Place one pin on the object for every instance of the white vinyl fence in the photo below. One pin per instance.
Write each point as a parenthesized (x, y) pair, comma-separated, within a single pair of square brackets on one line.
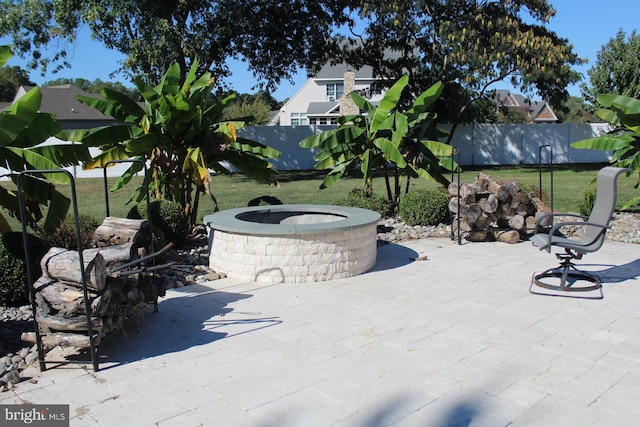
[(479, 145)]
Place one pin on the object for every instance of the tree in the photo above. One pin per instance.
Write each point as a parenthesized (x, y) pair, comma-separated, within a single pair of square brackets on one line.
[(273, 37), (577, 111), (616, 70), (257, 110), (466, 44), (385, 138), (11, 78), (179, 131)]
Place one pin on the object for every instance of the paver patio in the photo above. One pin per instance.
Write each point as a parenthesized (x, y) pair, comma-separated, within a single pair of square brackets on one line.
[(452, 340)]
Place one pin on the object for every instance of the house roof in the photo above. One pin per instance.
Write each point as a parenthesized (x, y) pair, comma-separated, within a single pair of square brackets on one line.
[(321, 107), (61, 100), (337, 72)]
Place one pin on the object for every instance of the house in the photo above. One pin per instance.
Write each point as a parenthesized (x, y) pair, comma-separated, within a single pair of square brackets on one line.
[(324, 97), (62, 102), (536, 111), (71, 114)]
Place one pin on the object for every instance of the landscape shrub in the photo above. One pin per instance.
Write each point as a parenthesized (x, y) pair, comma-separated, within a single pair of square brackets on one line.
[(166, 215), (424, 207), (65, 235), (588, 199), (360, 198), (13, 281)]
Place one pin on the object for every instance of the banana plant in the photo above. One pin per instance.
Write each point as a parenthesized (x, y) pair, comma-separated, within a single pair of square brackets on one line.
[(180, 132), (23, 128), (623, 113), (384, 136)]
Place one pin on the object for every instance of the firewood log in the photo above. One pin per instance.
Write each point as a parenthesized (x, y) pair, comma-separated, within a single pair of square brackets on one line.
[(516, 222), (64, 264), (59, 323), (507, 236), (489, 204), (60, 339), (115, 231)]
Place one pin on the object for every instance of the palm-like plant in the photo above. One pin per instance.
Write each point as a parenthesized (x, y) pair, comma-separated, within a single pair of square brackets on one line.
[(384, 136), (180, 132), (623, 113), (23, 128)]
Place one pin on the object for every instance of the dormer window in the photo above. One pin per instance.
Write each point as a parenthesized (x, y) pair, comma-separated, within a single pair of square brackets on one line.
[(334, 91)]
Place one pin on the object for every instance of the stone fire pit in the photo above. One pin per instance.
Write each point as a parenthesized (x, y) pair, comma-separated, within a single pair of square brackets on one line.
[(292, 243)]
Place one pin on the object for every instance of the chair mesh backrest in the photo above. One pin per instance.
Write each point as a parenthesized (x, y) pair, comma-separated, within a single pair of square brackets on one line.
[(605, 203)]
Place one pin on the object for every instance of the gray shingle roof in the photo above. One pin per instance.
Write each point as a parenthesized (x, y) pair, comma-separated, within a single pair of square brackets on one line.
[(321, 107), (61, 101)]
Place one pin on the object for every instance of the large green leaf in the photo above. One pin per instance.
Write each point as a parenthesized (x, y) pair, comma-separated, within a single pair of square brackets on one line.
[(19, 116), (361, 102), (390, 151), (604, 142), (388, 103), (248, 146), (42, 127), (101, 160), (424, 102), (438, 149)]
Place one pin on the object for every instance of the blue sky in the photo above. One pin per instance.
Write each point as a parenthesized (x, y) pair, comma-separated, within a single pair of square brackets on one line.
[(588, 24)]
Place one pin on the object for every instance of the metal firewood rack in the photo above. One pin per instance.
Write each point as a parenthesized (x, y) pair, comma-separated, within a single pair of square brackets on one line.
[(136, 266)]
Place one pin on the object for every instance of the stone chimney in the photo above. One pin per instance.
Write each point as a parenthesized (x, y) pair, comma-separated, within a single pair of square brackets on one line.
[(347, 107)]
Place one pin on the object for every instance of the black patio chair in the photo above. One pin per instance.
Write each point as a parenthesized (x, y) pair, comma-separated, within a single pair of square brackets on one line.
[(548, 234)]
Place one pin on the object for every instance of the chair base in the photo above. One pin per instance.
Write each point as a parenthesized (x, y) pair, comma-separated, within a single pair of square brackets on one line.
[(572, 283)]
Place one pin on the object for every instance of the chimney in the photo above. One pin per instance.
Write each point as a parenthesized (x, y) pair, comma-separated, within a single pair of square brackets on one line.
[(347, 107)]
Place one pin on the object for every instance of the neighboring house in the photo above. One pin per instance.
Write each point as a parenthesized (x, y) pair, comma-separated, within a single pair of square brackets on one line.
[(325, 97), (536, 111), (71, 113)]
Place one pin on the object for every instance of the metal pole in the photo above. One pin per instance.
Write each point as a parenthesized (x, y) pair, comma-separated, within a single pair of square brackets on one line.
[(550, 171)]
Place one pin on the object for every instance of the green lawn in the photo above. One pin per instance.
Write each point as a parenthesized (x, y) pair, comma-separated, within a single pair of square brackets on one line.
[(303, 187)]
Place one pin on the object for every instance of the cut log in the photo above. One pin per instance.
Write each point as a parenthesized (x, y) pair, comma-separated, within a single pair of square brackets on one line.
[(530, 224), (58, 323), (489, 204), (63, 297), (64, 265), (116, 231), (507, 236), (60, 339), (517, 222), (115, 255), (471, 213), (477, 236)]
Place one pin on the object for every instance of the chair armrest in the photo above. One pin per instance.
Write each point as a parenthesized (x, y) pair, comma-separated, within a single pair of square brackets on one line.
[(553, 215), (559, 225)]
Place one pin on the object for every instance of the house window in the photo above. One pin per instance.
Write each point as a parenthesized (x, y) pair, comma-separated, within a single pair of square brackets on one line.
[(298, 119), (319, 121), (335, 91)]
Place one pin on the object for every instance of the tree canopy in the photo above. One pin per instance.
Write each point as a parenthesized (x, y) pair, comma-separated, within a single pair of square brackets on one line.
[(467, 44), (616, 70), (274, 38), (11, 78), (93, 86)]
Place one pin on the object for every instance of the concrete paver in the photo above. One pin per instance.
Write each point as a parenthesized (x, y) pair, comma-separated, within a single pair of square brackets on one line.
[(456, 339)]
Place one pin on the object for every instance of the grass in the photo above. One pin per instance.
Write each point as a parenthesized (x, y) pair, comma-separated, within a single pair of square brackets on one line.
[(234, 191)]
